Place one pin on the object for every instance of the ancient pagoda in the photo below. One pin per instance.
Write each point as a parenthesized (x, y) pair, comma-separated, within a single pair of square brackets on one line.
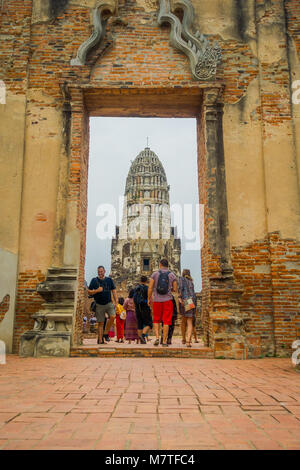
[(145, 235)]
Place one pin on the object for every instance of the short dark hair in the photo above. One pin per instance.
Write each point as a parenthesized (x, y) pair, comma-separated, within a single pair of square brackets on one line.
[(121, 300), (101, 267), (164, 262), (144, 279), (131, 293)]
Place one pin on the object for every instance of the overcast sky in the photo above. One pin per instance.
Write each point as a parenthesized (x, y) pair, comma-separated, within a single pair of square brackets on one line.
[(114, 143)]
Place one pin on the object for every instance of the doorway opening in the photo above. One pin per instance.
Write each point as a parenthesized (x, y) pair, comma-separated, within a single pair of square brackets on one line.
[(137, 166)]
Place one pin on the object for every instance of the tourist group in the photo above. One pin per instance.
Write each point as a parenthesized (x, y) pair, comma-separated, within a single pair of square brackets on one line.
[(151, 304)]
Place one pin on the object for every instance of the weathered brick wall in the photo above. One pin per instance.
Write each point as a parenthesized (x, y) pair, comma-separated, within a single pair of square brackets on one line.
[(78, 188), (253, 271), (285, 272), (15, 46), (292, 8), (15, 43), (269, 272)]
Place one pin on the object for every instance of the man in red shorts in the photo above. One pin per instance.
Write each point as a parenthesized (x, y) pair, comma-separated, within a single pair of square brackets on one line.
[(162, 284)]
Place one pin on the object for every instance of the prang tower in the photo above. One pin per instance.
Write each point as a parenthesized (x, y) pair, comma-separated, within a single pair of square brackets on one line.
[(145, 235)]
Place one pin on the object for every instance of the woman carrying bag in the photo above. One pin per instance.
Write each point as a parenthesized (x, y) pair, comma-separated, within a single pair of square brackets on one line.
[(187, 305)]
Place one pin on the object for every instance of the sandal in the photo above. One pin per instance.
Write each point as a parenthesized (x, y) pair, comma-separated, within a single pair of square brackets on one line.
[(156, 342), (188, 345), (183, 341)]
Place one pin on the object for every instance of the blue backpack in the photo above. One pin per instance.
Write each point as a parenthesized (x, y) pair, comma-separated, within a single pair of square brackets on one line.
[(162, 287)]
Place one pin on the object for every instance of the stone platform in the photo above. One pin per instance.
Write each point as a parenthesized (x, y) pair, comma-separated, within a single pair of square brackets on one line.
[(90, 348)]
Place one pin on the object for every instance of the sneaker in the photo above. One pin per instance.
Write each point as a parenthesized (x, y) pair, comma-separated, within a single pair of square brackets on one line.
[(156, 342), (142, 339)]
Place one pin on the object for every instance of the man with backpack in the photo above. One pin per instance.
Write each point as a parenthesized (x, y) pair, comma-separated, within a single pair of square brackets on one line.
[(142, 309), (162, 284)]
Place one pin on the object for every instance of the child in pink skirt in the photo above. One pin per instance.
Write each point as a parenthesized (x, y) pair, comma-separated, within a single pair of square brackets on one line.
[(131, 332)]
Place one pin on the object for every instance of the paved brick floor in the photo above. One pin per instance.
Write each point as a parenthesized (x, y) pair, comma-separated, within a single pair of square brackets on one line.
[(94, 403)]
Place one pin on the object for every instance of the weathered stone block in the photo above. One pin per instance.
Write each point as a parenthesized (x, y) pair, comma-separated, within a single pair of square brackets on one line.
[(27, 344), (56, 345), (45, 344)]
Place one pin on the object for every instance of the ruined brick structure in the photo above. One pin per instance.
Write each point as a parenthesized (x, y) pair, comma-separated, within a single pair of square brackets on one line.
[(146, 235), (64, 61)]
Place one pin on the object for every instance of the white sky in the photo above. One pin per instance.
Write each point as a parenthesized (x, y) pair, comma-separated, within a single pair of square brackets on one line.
[(114, 142)]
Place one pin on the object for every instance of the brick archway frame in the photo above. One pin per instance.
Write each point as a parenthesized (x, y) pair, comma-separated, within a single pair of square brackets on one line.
[(60, 325)]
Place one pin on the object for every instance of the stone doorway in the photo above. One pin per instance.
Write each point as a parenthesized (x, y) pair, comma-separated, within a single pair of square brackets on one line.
[(162, 103), (204, 104), (151, 174)]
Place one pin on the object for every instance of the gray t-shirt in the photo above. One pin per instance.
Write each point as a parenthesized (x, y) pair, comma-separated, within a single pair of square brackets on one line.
[(158, 297)]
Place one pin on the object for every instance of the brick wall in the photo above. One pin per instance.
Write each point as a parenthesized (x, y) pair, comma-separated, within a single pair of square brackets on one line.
[(269, 271), (292, 9), (285, 272)]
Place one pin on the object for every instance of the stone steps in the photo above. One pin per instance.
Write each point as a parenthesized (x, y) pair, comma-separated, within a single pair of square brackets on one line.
[(171, 352)]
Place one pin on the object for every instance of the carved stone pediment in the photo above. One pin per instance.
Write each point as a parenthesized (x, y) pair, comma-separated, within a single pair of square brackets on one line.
[(204, 57), (103, 9)]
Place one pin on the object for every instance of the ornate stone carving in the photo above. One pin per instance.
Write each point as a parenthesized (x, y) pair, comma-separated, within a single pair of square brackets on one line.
[(38, 322), (109, 6), (51, 334), (203, 56), (50, 325)]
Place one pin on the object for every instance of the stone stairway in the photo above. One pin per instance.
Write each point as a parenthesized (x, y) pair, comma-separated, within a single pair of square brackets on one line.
[(113, 349)]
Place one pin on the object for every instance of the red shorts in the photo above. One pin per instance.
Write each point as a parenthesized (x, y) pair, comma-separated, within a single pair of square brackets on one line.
[(163, 311)]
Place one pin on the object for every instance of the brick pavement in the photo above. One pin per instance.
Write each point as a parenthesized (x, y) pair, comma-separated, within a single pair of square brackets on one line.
[(93, 403)]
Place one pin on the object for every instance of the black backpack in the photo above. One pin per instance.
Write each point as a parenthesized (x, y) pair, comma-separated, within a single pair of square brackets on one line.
[(162, 287), (140, 294)]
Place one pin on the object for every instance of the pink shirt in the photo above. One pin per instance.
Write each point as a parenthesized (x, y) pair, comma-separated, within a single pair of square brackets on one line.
[(129, 304)]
